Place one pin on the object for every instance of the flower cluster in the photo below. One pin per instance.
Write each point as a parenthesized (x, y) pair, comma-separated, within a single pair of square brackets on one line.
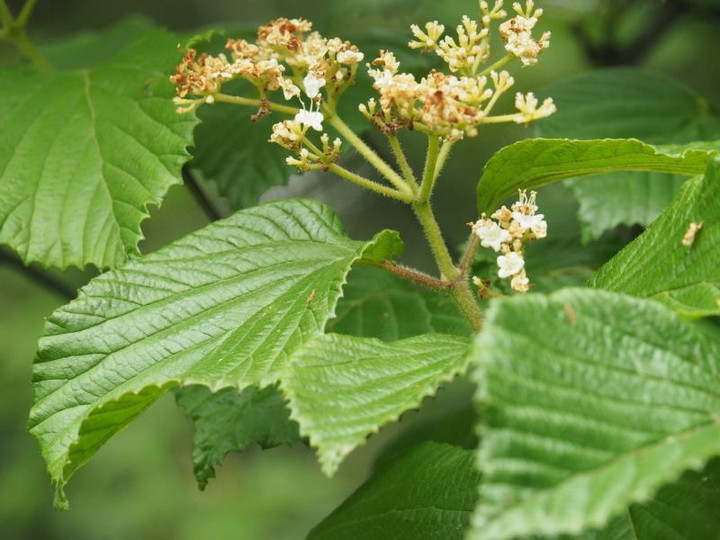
[(517, 34), (453, 106), (280, 44), (507, 232), (287, 56), (472, 46)]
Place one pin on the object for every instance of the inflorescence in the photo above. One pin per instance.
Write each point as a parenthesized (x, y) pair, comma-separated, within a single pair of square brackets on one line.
[(508, 232), (288, 58)]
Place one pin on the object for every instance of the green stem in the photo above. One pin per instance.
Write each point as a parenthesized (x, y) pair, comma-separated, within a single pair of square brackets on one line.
[(237, 100), (442, 156), (368, 153), (30, 51), (5, 16), (465, 299), (429, 175), (470, 249), (425, 216), (411, 274), (499, 119), (497, 65), (25, 13), (369, 184), (14, 30), (402, 161)]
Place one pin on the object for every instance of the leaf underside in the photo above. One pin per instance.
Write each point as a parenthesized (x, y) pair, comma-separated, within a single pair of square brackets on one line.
[(229, 420)]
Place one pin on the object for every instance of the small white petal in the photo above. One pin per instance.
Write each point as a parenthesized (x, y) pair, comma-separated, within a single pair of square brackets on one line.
[(510, 264), (312, 85)]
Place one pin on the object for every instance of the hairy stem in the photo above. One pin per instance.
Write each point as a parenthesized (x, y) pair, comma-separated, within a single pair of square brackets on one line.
[(497, 65), (368, 153), (250, 102), (429, 174), (467, 258), (430, 226), (369, 184), (411, 274), (402, 161), (465, 299), (203, 201), (442, 156)]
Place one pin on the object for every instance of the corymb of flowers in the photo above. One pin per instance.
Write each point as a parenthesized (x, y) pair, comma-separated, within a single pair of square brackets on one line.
[(298, 73)]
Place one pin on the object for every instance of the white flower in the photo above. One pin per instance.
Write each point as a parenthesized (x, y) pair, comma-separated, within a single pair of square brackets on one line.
[(312, 85), (349, 57), (520, 282), (491, 234), (310, 119), (527, 105), (510, 264), (530, 222), (289, 89)]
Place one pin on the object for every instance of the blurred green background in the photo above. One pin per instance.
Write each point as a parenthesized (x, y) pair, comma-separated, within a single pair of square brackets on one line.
[(141, 485)]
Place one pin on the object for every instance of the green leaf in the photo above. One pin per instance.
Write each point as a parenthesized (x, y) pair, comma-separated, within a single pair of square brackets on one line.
[(378, 304), (658, 266), (627, 102), (234, 152), (427, 493), (591, 401), (622, 199), (87, 49), (683, 510), (83, 153), (532, 163), (343, 388), (621, 103), (229, 420), (223, 307)]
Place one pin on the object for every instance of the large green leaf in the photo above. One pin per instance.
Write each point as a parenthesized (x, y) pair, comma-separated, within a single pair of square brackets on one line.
[(591, 401), (658, 265), (84, 152), (532, 163), (229, 420), (343, 388), (427, 493), (377, 304), (223, 307), (621, 103)]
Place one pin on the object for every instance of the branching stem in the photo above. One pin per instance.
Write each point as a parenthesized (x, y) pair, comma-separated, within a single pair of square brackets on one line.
[(368, 153), (250, 102), (368, 184), (14, 30)]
